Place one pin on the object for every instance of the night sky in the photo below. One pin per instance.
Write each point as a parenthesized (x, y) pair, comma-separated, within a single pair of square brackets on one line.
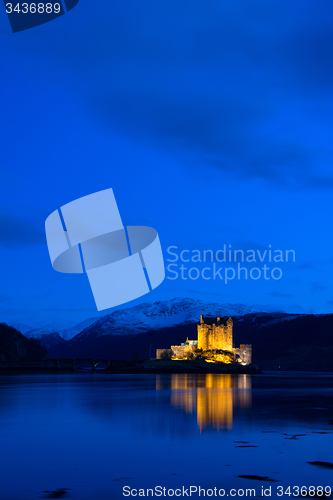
[(212, 122)]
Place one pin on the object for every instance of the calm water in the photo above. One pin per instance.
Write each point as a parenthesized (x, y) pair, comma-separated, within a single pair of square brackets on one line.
[(95, 433)]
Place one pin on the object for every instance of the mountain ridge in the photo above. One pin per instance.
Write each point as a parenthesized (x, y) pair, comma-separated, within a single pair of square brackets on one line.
[(46, 335), (279, 340), (161, 314)]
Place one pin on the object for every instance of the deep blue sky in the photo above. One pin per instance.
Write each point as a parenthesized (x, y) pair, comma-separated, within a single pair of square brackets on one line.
[(211, 121)]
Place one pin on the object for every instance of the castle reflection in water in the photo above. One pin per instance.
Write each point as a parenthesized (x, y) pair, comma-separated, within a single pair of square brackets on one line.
[(213, 397)]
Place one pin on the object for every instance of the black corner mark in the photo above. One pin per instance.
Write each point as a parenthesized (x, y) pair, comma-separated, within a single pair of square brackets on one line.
[(28, 14)]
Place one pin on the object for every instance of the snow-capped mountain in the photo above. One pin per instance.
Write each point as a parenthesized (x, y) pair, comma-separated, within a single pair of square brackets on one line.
[(46, 335), (22, 328), (115, 334), (162, 314), (69, 333)]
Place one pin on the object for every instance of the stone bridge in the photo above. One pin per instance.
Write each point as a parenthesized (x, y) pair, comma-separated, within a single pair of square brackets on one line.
[(65, 364)]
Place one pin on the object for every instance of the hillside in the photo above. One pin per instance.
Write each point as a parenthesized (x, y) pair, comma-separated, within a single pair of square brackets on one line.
[(48, 337), (279, 341), (15, 346)]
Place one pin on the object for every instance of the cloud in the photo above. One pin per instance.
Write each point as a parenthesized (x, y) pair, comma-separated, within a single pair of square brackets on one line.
[(210, 130), (17, 231), (306, 265), (316, 287), (241, 88), (279, 294), (228, 94), (250, 245)]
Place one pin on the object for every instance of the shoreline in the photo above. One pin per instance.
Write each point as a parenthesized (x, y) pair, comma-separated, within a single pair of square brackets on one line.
[(147, 366)]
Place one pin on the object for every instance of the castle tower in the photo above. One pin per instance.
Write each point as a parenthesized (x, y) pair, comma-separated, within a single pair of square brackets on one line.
[(202, 335), (215, 333), (228, 335)]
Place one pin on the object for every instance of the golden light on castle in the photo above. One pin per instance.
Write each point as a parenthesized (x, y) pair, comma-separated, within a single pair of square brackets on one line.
[(214, 344)]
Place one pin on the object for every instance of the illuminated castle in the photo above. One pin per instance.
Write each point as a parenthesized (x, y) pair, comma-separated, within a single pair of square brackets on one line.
[(215, 343), (215, 334)]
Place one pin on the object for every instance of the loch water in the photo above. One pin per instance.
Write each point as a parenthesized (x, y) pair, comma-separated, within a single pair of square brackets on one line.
[(95, 435)]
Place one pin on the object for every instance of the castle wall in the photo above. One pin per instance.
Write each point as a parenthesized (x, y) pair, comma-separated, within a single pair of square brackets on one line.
[(180, 351), (163, 353), (245, 352)]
